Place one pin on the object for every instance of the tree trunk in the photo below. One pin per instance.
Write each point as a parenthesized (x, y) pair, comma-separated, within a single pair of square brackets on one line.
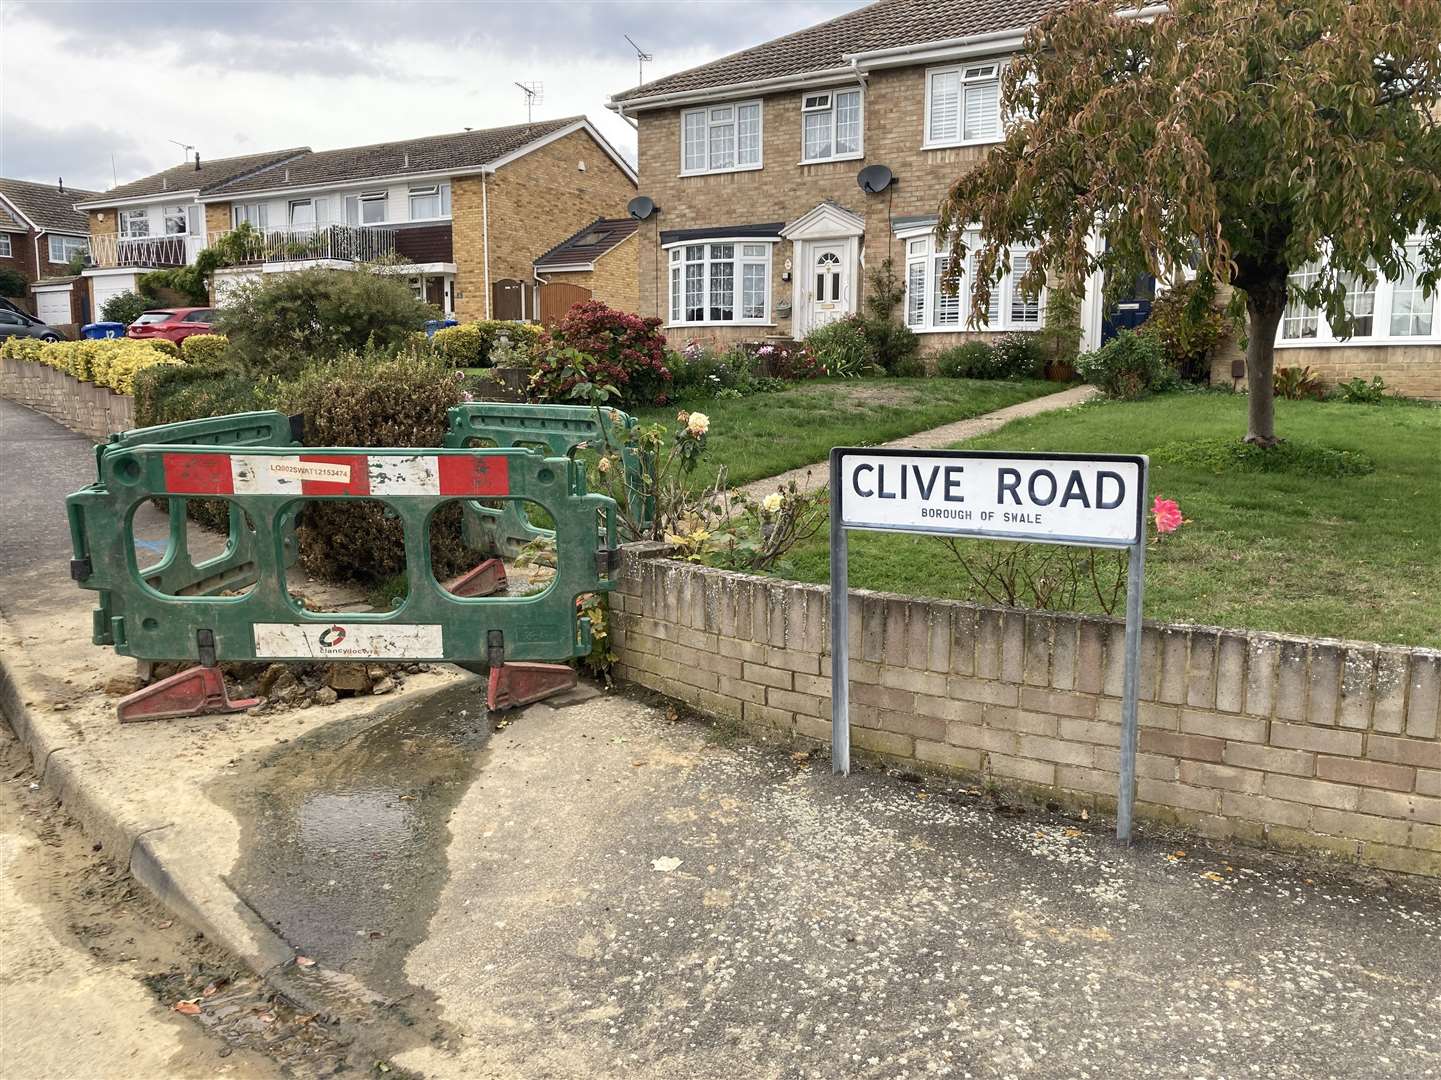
[(1265, 303)]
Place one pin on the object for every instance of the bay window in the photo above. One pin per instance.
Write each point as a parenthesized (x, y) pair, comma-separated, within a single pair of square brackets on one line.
[(830, 125), (1381, 310), (931, 306), (721, 138), (65, 248), (963, 104), (719, 282)]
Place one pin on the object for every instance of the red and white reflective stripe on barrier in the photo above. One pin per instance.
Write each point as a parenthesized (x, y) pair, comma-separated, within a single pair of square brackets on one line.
[(337, 474)]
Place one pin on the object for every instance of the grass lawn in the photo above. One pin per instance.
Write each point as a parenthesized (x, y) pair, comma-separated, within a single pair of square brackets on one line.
[(1355, 557), (765, 434)]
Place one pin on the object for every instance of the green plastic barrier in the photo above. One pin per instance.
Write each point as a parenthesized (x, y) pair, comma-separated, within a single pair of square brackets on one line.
[(559, 429), (147, 615)]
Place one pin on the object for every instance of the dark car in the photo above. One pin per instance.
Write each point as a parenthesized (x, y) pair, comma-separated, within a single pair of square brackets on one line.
[(15, 323), (172, 324)]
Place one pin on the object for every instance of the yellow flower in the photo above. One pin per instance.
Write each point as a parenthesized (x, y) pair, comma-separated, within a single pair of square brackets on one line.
[(772, 502), (698, 424), (603, 465)]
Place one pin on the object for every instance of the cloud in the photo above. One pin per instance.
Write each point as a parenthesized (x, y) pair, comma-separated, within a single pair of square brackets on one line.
[(80, 153), (241, 77)]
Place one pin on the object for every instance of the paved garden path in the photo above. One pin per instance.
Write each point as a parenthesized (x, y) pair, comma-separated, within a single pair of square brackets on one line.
[(808, 477)]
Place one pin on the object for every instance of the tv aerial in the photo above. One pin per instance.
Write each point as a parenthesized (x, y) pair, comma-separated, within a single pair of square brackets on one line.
[(185, 148), (641, 57), (534, 95)]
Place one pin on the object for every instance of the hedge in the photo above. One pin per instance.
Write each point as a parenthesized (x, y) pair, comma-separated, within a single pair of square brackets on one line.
[(470, 344), (113, 362)]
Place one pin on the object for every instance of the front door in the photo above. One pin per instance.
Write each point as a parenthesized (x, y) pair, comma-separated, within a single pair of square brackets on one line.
[(828, 292)]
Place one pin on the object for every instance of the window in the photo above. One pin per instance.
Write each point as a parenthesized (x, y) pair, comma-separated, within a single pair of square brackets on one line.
[(302, 212), (719, 138), (1360, 305), (367, 208), (177, 222), (135, 223), (931, 306), (256, 215), (425, 202), (1411, 309), (1300, 320), (963, 105), (62, 248), (6, 251), (204, 315), (720, 282), (831, 125)]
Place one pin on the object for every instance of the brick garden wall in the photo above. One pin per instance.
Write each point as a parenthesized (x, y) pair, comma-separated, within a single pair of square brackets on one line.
[(83, 407), (1408, 370), (1263, 738)]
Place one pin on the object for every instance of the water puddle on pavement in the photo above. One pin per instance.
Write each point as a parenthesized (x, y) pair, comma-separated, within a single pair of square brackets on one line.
[(344, 836)]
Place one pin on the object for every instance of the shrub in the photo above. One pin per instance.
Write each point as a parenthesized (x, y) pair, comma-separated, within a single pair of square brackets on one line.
[(1187, 326), (459, 346), (628, 355), (699, 370), (281, 322), (789, 361), (203, 348), (1223, 455), (12, 282), (1019, 356), (842, 347), (113, 362), (1358, 391), (973, 360), (1297, 384), (894, 347), (1128, 366), (169, 394), (169, 348), (186, 286), (355, 401), (124, 308)]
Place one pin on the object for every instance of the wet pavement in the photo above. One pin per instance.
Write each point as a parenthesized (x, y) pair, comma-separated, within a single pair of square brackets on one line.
[(344, 832)]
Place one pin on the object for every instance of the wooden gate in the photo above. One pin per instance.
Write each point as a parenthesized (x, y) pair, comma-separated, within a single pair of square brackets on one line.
[(507, 299), (556, 298)]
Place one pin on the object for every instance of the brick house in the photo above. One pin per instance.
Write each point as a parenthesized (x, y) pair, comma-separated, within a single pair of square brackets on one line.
[(465, 215), (762, 228), (598, 262), (40, 232)]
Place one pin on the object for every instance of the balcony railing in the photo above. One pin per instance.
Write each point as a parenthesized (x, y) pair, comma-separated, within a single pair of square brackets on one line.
[(297, 243), (148, 252)]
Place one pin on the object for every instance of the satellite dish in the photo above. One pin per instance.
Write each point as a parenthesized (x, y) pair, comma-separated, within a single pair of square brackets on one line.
[(874, 178), (641, 207)]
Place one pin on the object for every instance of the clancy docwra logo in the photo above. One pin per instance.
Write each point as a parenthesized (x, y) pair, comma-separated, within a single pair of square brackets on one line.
[(332, 636)]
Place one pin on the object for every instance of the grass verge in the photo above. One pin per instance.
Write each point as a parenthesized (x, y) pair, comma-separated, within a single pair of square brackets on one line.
[(765, 434), (1291, 551)]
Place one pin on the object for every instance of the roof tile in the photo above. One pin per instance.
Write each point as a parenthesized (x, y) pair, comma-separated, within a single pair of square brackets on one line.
[(51, 208), (882, 25), (593, 241), (210, 174)]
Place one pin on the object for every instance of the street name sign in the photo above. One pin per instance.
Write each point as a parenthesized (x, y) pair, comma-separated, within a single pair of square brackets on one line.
[(1092, 500)]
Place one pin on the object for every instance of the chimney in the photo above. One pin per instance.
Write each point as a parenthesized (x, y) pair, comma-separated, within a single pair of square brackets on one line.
[(62, 185), (197, 161)]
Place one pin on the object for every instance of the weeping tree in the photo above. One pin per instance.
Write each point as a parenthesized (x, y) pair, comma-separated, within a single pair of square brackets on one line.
[(1244, 139)]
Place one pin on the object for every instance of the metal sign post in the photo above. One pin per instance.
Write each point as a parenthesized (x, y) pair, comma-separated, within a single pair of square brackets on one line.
[(1086, 500)]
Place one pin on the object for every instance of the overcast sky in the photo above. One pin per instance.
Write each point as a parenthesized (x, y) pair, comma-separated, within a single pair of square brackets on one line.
[(90, 82)]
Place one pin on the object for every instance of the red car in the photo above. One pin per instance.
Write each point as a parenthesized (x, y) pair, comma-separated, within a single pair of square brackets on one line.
[(172, 324)]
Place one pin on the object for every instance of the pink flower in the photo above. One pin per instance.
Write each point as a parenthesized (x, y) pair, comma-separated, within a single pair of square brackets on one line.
[(1167, 514)]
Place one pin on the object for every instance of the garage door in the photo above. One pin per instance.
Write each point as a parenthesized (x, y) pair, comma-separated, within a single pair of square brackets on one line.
[(53, 306), (110, 285)]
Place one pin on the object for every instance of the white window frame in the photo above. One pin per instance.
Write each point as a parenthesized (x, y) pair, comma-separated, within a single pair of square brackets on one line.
[(6, 251), (830, 107), (125, 222), (313, 223), (959, 70), (257, 214), (678, 258), (355, 207), (169, 213), (734, 123), (920, 250), (76, 245), (1383, 307), (438, 191)]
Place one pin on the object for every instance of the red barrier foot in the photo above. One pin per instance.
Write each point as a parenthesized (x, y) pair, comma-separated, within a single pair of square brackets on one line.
[(514, 685), (484, 580), (196, 691)]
